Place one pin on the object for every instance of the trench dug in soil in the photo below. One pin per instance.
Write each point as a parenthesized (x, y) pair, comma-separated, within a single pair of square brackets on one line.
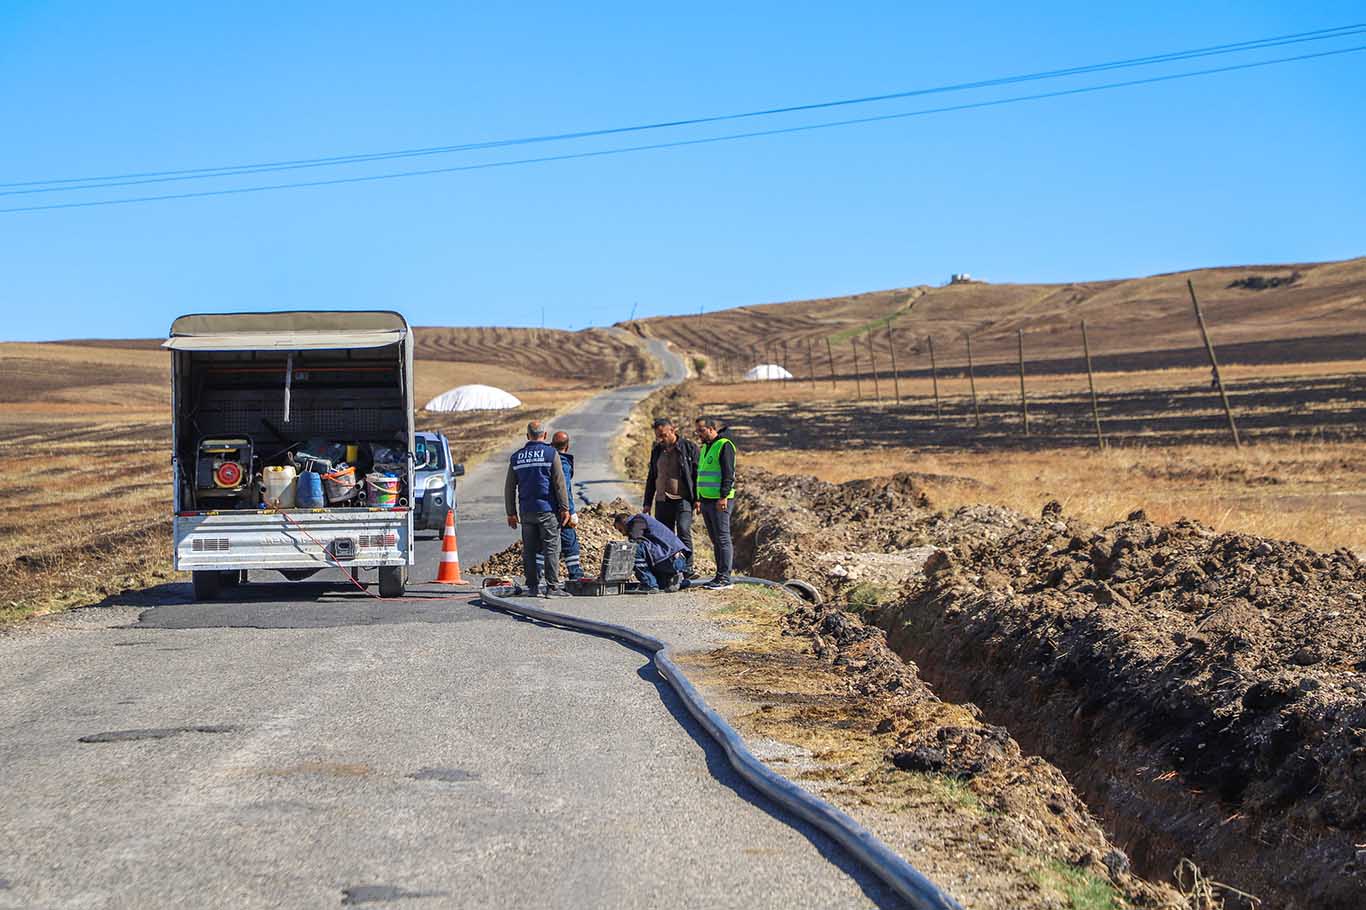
[(1204, 693)]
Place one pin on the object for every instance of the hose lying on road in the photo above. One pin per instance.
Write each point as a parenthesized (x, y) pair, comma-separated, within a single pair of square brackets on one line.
[(873, 854)]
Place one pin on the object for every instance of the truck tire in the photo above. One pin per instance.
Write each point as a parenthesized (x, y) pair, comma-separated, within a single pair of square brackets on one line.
[(392, 581), (207, 584)]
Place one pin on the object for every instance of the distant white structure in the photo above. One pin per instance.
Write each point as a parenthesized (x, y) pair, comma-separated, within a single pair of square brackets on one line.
[(765, 372), (473, 398), (960, 278)]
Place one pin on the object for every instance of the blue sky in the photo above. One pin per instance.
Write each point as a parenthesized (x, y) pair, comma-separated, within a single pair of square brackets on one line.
[(1257, 166)]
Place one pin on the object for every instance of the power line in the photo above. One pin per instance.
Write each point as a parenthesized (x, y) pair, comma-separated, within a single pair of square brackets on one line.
[(682, 143), (147, 177)]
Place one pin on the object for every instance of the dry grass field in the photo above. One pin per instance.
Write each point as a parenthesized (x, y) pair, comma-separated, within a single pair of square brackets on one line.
[(85, 434), (1301, 475)]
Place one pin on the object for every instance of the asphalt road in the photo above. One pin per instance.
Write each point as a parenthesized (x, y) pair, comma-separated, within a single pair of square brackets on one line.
[(307, 746)]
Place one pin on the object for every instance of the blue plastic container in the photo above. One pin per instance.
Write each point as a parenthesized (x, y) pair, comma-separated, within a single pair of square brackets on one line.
[(310, 491)]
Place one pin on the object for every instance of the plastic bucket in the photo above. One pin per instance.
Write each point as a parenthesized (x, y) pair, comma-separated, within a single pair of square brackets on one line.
[(309, 493), (340, 484), (382, 490)]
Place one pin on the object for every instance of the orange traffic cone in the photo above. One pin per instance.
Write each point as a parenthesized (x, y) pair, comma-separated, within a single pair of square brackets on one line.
[(449, 572)]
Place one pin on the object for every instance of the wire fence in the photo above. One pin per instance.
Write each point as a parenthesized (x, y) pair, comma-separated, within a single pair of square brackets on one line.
[(904, 372)]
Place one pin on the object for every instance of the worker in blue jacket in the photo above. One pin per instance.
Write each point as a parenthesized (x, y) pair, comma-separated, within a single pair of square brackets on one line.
[(661, 557), (569, 537), (536, 498)]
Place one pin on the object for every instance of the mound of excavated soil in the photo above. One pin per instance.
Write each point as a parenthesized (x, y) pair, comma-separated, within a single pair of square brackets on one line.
[(1028, 811), (1230, 665), (1206, 692), (595, 530)]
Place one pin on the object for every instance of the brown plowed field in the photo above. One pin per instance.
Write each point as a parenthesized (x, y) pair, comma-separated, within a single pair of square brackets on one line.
[(1262, 313), (599, 356)]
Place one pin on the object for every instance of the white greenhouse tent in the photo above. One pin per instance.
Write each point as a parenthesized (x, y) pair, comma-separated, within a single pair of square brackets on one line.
[(767, 371), (473, 398)]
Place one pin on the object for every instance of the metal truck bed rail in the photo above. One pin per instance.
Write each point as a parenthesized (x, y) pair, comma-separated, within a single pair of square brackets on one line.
[(266, 539)]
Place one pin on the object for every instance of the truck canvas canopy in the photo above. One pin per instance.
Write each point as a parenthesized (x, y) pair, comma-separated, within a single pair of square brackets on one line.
[(296, 331)]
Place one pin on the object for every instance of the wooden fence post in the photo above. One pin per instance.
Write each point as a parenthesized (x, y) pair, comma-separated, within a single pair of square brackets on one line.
[(858, 383), (1214, 365), (811, 364), (972, 384), (934, 375), (872, 363), (787, 374), (830, 354), (891, 348), (1091, 382), (1024, 403)]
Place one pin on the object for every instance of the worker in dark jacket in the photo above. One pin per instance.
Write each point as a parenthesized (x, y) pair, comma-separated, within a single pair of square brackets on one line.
[(569, 536), (716, 493), (536, 496), (661, 558), (671, 483)]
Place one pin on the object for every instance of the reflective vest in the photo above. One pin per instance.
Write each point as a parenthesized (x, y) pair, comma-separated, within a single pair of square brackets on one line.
[(532, 464), (709, 469)]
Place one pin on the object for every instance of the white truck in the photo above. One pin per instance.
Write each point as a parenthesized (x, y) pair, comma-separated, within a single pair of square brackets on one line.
[(259, 400)]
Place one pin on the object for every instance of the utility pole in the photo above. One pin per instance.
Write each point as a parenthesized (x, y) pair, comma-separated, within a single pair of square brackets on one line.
[(934, 375), (872, 362), (1091, 382), (1214, 365), (896, 377), (858, 383), (972, 384), (1024, 404)]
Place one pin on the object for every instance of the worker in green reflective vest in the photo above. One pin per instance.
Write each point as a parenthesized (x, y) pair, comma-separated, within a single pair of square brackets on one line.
[(716, 493)]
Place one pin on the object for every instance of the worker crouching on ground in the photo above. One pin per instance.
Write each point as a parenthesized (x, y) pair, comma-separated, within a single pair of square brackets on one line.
[(535, 495), (671, 484), (569, 537), (661, 558), (716, 494)]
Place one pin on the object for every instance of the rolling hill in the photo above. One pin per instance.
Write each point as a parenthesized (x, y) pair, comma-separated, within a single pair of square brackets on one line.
[(1261, 313)]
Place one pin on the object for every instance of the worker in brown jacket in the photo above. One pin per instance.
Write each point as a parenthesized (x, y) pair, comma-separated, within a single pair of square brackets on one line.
[(671, 484)]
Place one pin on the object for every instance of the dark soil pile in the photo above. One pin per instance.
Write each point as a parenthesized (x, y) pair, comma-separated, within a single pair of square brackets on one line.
[(781, 520), (1206, 692), (1230, 666), (595, 530)]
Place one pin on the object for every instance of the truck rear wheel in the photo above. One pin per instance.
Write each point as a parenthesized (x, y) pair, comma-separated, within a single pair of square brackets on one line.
[(207, 584), (393, 581)]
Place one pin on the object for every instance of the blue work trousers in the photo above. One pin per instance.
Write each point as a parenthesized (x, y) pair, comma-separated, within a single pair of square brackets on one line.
[(660, 574), (569, 549)]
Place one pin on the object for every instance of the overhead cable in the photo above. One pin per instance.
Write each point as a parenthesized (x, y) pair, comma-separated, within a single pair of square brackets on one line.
[(682, 143), (145, 177)]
